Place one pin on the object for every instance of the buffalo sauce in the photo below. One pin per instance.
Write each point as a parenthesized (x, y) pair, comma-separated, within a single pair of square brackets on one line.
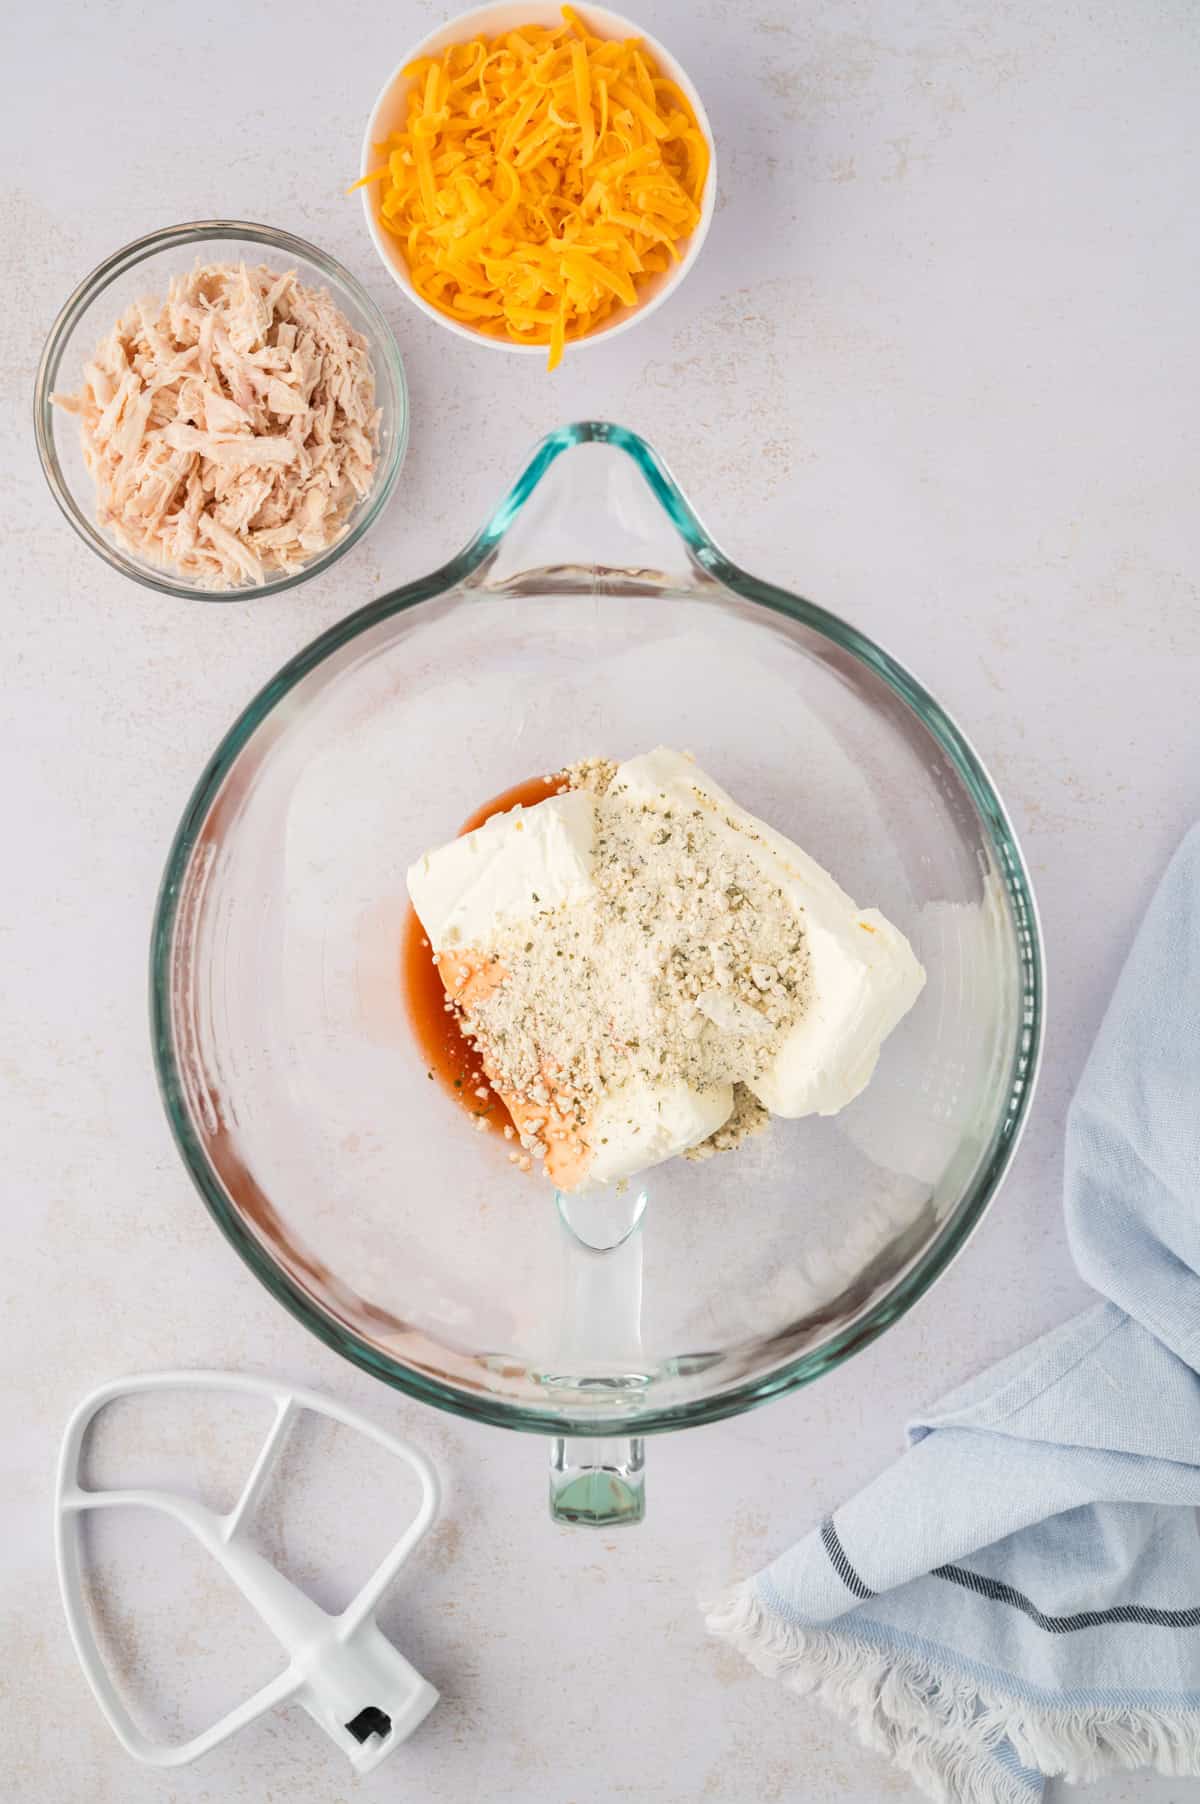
[(449, 1056)]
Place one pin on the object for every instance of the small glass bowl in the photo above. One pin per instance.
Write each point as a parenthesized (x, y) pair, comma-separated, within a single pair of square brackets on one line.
[(145, 267)]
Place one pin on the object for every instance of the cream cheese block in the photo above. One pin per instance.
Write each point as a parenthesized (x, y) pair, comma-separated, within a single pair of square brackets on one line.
[(468, 892), (863, 972), (640, 1124), (861, 979), (507, 871)]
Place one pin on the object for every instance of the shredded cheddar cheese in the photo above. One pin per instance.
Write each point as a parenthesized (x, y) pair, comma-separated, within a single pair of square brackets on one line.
[(542, 178)]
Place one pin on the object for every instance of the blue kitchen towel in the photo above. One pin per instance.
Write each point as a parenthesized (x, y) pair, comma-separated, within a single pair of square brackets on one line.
[(1019, 1596)]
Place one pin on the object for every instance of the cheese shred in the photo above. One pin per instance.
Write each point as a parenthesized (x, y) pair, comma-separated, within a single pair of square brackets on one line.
[(542, 178)]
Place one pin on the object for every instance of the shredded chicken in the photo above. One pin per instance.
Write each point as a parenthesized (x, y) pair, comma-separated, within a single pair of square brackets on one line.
[(231, 429)]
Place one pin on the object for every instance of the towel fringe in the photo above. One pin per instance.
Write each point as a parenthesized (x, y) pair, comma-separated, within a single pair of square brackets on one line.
[(943, 1729)]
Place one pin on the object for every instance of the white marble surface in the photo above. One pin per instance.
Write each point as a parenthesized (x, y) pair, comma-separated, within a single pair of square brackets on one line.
[(937, 369)]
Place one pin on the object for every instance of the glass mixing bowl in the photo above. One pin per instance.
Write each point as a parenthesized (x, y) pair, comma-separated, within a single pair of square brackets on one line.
[(592, 614)]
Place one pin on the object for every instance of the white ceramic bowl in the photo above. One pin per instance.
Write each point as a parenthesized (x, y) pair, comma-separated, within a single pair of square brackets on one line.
[(389, 113)]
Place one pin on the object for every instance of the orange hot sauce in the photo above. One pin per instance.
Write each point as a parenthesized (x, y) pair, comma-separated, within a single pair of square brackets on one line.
[(448, 1055)]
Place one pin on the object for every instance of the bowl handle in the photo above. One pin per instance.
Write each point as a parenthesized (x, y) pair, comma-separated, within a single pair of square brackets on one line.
[(598, 1483), (595, 510)]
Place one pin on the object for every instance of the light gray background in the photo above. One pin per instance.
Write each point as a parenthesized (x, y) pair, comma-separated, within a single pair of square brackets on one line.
[(936, 368)]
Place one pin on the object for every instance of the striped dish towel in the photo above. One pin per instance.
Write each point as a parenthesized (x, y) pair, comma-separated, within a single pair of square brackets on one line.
[(1019, 1597)]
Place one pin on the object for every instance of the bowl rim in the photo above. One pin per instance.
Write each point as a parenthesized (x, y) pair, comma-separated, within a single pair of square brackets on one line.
[(394, 263), (954, 1233), (385, 356)]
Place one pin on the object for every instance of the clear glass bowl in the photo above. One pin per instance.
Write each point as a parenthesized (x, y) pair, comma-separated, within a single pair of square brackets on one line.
[(144, 268), (591, 614)]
